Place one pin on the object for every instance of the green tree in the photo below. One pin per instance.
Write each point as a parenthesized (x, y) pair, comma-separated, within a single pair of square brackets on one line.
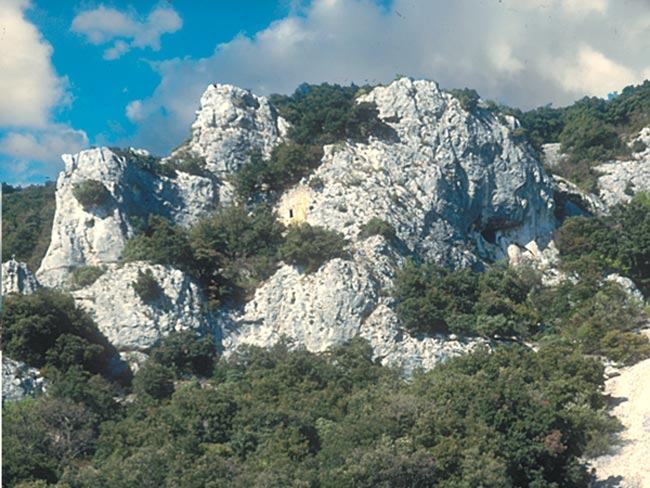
[(311, 246), (91, 194)]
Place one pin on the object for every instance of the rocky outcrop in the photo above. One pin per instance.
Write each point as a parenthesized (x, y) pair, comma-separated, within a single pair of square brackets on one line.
[(621, 180), (571, 201), (395, 347), (342, 300), (96, 235), (457, 187), (20, 380), (17, 278), (230, 123), (317, 310), (130, 323)]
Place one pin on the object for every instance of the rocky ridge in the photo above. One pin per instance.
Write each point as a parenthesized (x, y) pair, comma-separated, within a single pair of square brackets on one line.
[(94, 236), (457, 187)]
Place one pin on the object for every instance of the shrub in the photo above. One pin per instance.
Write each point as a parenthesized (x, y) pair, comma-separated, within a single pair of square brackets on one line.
[(91, 193), (234, 249), (288, 163), (145, 162), (189, 163), (467, 97), (160, 243), (324, 114), (377, 227), (86, 276), (154, 380), (146, 286), (186, 353), (311, 246), (34, 325), (494, 303)]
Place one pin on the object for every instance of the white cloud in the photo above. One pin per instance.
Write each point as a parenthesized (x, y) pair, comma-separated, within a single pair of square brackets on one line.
[(31, 144), (523, 53), (592, 72), (29, 85), (104, 25), (45, 147)]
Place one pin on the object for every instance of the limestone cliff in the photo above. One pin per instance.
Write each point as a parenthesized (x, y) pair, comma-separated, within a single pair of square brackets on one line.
[(456, 185)]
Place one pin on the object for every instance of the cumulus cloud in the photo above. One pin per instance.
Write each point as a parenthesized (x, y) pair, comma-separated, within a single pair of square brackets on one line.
[(26, 71), (30, 142), (38, 152), (105, 25), (45, 145), (522, 53)]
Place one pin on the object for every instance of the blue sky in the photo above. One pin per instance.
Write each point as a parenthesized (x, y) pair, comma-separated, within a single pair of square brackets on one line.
[(83, 73)]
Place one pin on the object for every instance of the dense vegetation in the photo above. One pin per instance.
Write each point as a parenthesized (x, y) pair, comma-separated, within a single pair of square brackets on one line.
[(511, 417), (590, 131), (619, 243), (276, 418), (319, 114), (86, 276), (91, 193), (311, 246), (47, 330), (27, 215), (232, 251), (596, 316)]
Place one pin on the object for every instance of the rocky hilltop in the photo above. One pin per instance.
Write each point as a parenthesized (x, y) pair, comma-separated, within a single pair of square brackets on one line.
[(456, 185)]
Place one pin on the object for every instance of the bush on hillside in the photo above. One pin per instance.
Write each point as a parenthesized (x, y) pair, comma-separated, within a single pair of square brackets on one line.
[(91, 194), (311, 246)]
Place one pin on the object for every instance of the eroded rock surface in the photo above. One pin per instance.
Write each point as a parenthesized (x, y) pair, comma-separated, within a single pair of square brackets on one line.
[(17, 278), (96, 235), (621, 180), (130, 323), (20, 380)]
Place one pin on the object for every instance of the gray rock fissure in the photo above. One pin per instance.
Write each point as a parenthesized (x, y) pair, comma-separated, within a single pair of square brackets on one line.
[(17, 278)]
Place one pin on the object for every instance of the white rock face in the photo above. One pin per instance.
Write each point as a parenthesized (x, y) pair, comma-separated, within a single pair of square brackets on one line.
[(17, 278), (316, 310), (97, 236), (342, 300), (20, 380), (578, 201), (456, 187), (628, 286), (621, 180), (395, 347), (132, 325), (230, 123)]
